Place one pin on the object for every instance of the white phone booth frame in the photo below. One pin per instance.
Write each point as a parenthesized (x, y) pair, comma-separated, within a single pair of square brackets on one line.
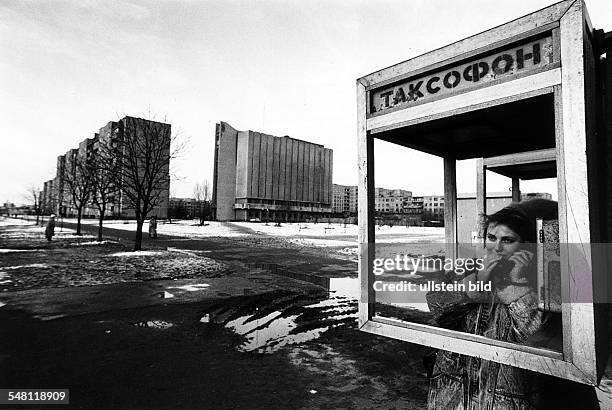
[(568, 79)]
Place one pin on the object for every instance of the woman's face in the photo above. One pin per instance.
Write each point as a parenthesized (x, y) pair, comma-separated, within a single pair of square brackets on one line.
[(502, 240)]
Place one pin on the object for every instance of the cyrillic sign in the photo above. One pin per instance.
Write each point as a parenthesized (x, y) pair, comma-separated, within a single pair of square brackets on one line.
[(528, 57)]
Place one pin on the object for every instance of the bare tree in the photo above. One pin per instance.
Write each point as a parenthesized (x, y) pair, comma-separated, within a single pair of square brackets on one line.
[(201, 193), (143, 151), (103, 170), (79, 183), (33, 195)]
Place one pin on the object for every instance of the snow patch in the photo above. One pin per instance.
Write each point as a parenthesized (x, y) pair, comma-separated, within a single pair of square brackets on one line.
[(155, 324), (191, 288), (136, 253), (33, 265), (94, 243), (323, 243)]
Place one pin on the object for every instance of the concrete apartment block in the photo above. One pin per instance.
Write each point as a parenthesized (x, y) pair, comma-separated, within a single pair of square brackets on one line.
[(118, 205)]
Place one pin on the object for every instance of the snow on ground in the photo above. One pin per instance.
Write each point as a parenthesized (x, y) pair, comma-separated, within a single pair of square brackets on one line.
[(71, 235), (300, 229), (31, 265), (191, 288), (94, 243), (308, 234), (186, 228), (4, 221), (135, 253), (323, 243)]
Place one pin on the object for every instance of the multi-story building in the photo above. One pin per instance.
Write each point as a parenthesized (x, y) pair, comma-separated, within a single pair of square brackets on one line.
[(344, 199), (58, 186), (433, 207), (7, 208), (395, 201), (396, 204), (260, 176), (109, 135), (48, 203), (185, 207)]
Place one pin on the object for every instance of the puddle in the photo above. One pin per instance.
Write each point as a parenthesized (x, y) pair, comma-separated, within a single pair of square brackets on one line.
[(154, 324), (191, 288), (271, 321)]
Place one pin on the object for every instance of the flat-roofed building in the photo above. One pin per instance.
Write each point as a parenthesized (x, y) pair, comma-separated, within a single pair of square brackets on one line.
[(47, 205), (344, 199), (58, 194), (263, 177)]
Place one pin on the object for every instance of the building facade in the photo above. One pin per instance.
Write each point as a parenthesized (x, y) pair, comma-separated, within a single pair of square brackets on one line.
[(394, 201), (433, 207), (344, 200), (396, 205), (186, 208), (263, 177), (56, 193)]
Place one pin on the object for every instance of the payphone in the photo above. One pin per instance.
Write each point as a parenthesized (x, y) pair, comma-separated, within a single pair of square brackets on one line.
[(527, 100)]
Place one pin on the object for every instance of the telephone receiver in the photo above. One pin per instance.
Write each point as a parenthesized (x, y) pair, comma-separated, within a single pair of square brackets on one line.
[(502, 270)]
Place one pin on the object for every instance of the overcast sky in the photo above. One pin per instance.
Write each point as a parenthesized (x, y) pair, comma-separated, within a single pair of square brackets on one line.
[(279, 67)]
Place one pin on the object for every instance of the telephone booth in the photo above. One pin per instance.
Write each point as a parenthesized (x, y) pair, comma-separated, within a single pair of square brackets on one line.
[(526, 100)]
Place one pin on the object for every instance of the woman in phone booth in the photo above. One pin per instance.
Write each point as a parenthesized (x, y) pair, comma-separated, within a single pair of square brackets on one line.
[(508, 312)]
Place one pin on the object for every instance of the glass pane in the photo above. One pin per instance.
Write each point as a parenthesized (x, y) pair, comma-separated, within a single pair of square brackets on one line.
[(409, 211), (500, 284)]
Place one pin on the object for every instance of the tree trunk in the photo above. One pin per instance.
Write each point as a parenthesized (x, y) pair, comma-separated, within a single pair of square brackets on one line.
[(79, 212), (102, 210), (138, 239), (100, 220)]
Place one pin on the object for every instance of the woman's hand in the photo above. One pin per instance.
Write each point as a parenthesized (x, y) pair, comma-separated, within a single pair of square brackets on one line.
[(491, 260), (518, 281), (521, 260)]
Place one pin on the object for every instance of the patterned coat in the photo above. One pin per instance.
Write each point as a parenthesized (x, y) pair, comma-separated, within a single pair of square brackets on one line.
[(463, 382)]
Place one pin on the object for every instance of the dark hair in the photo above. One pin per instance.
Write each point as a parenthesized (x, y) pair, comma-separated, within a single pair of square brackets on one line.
[(521, 217)]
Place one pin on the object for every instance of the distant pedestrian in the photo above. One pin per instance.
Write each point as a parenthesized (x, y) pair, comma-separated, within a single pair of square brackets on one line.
[(153, 227), (50, 229)]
